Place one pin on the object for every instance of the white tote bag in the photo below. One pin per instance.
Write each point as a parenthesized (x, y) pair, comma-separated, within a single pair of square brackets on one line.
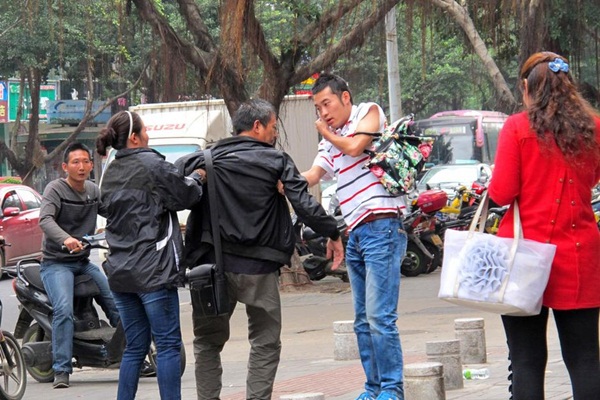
[(501, 275)]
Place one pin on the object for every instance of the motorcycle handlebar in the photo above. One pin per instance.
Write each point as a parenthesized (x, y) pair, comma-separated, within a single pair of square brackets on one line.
[(90, 242)]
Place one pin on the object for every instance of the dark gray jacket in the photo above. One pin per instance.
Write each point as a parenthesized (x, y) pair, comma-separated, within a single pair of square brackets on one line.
[(254, 218), (141, 193)]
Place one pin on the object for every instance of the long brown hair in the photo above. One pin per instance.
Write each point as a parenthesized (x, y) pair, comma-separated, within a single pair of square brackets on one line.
[(556, 106)]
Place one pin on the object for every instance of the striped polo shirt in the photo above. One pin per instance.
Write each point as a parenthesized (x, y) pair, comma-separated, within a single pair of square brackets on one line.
[(358, 189)]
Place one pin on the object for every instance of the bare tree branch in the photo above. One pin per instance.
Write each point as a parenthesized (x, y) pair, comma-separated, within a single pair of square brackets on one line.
[(318, 27), (256, 37), (533, 19), (352, 39), (507, 101), (220, 63), (191, 13), (17, 22), (210, 65), (88, 116), (168, 35), (6, 152)]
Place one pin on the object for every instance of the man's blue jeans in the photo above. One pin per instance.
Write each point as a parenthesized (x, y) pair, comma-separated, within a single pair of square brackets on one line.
[(58, 278), (373, 256), (146, 316)]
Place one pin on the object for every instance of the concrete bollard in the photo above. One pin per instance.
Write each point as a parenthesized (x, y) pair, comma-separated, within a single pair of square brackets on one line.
[(424, 381), (470, 332), (303, 396), (448, 354), (344, 341)]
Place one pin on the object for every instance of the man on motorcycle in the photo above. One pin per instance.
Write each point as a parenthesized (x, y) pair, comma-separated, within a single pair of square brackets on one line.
[(69, 210)]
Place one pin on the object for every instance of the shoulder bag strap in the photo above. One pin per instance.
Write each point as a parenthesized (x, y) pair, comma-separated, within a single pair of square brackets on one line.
[(373, 134), (211, 185)]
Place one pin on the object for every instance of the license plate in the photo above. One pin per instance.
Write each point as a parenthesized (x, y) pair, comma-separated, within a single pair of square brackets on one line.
[(436, 240)]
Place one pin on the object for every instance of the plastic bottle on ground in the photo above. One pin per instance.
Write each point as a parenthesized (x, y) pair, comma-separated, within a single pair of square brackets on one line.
[(471, 373)]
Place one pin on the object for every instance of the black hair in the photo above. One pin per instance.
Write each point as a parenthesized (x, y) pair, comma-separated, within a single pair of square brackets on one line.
[(253, 110), (116, 132), (74, 147), (336, 83)]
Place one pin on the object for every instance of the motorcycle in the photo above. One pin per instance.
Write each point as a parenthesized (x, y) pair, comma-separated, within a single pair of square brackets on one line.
[(424, 247), (95, 342), (13, 378), (462, 208), (312, 249)]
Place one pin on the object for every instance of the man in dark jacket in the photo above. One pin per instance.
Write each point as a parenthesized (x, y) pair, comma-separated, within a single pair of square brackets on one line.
[(257, 239)]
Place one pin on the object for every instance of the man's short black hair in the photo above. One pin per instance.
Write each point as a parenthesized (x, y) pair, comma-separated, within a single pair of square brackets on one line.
[(250, 111), (335, 82), (74, 147)]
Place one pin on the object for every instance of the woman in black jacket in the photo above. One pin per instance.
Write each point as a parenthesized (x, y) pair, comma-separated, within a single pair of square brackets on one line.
[(142, 193)]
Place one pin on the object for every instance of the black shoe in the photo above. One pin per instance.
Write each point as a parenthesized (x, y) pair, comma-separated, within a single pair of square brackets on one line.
[(61, 380), (147, 370)]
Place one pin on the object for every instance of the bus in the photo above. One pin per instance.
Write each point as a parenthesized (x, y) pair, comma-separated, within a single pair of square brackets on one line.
[(462, 136)]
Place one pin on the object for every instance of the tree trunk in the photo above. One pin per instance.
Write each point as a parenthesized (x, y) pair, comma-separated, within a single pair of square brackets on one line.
[(506, 100), (33, 156), (532, 20)]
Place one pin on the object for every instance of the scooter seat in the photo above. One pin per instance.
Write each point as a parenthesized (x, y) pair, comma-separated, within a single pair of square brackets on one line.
[(84, 284), (32, 274)]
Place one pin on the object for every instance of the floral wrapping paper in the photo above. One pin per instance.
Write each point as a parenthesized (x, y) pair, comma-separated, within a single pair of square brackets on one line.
[(395, 162)]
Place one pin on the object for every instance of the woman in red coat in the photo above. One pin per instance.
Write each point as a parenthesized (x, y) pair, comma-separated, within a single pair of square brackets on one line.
[(548, 160)]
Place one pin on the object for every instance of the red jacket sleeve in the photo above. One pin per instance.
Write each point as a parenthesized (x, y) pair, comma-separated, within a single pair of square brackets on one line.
[(506, 177)]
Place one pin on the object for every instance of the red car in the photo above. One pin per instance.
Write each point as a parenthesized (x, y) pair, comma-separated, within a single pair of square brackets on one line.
[(20, 233)]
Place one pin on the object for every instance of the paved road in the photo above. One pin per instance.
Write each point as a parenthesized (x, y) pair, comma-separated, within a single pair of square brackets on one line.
[(307, 358)]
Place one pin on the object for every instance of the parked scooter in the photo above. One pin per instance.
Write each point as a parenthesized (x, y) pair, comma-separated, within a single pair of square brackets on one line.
[(95, 342), (465, 204), (312, 249), (13, 378), (424, 247)]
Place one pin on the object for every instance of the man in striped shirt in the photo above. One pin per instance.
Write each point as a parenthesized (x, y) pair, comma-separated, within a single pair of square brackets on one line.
[(377, 240)]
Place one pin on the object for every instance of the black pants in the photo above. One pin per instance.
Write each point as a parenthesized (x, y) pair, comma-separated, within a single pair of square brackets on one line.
[(528, 347)]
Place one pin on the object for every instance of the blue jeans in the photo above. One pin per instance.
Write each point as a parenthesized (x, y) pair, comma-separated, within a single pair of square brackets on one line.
[(373, 256), (58, 278), (146, 316)]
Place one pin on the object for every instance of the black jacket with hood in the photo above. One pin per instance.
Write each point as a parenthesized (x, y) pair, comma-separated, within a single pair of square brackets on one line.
[(254, 218), (142, 193)]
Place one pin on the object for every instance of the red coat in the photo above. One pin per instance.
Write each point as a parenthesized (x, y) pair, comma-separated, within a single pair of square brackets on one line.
[(555, 203)]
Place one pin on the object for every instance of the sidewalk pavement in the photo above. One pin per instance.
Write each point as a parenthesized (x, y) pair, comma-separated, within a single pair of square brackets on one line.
[(307, 364)]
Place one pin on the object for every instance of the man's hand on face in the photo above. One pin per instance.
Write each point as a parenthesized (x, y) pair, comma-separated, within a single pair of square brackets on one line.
[(74, 245), (321, 124), (335, 248), (323, 128)]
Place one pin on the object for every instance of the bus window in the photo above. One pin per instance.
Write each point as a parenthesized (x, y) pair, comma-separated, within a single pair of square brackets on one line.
[(491, 132), (462, 136)]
